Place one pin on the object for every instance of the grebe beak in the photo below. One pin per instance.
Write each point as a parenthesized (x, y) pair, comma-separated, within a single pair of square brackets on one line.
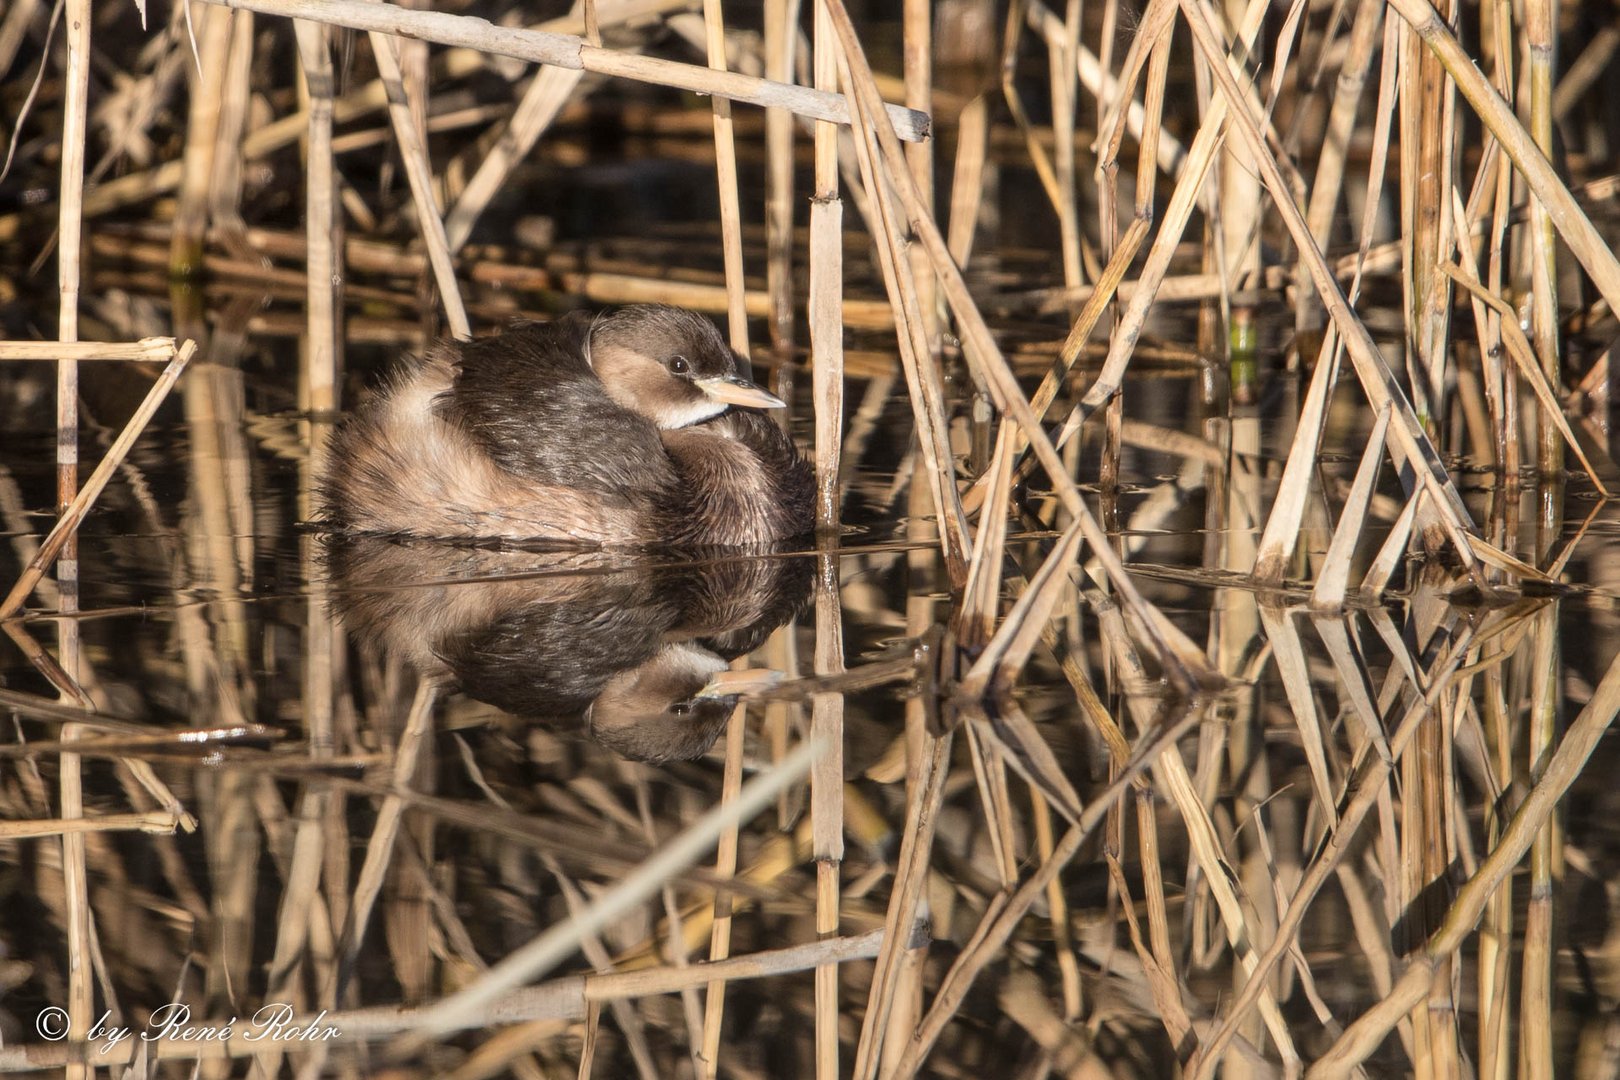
[(734, 683), (736, 391)]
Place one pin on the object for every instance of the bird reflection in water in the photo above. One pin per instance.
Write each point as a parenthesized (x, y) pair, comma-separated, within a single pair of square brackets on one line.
[(628, 650)]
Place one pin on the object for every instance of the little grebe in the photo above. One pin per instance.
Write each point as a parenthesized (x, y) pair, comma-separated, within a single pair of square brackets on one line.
[(610, 431)]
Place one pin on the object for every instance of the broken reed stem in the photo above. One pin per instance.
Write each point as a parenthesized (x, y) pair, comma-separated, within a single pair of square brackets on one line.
[(155, 821), (568, 51), (57, 541), (147, 349)]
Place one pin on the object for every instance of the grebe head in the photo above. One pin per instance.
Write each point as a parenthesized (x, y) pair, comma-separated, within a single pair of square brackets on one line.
[(670, 365)]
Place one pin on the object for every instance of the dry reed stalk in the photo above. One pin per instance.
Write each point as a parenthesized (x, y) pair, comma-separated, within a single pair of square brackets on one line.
[(562, 272), (368, 98), (568, 51), (318, 389), (548, 91), (1058, 913), (67, 687), (917, 67), (1411, 441), (56, 542), (1528, 821), (981, 596), (303, 930), (725, 868), (990, 775), (225, 184), (997, 667), (1541, 43), (1536, 986), (1333, 577), (1288, 652), (78, 928), (147, 349), (468, 1007), (1582, 73), (1328, 180), (1110, 283), (1173, 1012), (207, 81), (1427, 174), (1039, 160), (413, 152), (725, 161), (1352, 673), (1019, 743), (827, 806), (780, 33), (154, 821), (826, 290), (1239, 204), (628, 1019), (1064, 58), (1170, 772), (968, 178), (1496, 932)]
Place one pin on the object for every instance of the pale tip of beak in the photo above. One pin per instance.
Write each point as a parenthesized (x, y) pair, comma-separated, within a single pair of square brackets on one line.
[(734, 683), (735, 391)]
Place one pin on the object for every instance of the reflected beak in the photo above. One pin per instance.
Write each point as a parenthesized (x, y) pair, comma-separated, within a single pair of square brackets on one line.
[(731, 683), (735, 391)]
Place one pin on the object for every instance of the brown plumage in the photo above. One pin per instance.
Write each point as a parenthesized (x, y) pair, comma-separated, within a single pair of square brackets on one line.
[(633, 428)]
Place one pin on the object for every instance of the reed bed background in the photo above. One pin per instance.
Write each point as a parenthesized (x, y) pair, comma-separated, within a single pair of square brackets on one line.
[(1192, 720)]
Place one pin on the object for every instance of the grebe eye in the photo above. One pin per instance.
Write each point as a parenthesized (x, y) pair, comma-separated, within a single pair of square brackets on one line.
[(678, 365)]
